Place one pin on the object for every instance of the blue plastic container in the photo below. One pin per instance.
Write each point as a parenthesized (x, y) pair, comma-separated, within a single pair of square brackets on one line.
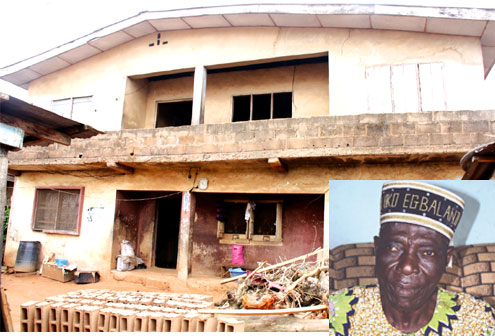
[(61, 262), (236, 272)]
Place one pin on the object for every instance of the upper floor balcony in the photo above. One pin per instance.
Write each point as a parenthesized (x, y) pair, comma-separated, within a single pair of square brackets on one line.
[(280, 143)]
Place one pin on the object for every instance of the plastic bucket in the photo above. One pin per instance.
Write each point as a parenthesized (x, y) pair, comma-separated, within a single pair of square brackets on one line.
[(27, 256), (236, 272)]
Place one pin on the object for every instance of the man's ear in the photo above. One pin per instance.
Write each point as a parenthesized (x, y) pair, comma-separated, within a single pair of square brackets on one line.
[(376, 240)]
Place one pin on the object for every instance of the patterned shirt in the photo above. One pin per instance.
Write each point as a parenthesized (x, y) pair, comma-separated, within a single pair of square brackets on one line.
[(358, 311)]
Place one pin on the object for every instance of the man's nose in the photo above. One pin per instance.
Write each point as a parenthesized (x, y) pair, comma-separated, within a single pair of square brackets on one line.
[(408, 263)]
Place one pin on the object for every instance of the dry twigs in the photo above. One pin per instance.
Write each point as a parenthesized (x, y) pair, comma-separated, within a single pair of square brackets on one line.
[(296, 283)]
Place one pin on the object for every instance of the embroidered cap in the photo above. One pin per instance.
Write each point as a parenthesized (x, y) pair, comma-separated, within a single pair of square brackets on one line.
[(421, 204)]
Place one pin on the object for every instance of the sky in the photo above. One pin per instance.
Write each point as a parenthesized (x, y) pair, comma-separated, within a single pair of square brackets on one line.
[(30, 27)]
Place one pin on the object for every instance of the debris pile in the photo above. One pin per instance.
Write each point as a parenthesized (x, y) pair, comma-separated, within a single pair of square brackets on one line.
[(296, 283)]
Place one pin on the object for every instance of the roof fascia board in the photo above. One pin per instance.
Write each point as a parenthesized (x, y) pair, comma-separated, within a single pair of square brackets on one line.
[(307, 9)]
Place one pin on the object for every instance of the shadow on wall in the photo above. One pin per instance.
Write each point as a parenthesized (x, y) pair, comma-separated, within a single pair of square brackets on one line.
[(472, 271)]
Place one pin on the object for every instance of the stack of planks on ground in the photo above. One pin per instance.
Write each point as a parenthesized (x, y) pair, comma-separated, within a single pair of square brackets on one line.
[(97, 310)]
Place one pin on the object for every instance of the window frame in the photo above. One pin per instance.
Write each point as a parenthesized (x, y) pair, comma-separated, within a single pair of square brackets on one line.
[(77, 230), (72, 101), (249, 238), (426, 78), (158, 102), (251, 105)]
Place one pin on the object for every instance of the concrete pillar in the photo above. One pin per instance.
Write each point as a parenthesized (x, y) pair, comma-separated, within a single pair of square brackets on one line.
[(4, 165), (199, 95), (184, 257), (326, 224)]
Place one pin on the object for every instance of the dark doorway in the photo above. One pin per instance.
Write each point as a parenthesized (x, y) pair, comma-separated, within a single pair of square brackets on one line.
[(167, 231)]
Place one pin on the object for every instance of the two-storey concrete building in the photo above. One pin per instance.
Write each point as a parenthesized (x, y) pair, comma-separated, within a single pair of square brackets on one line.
[(224, 125)]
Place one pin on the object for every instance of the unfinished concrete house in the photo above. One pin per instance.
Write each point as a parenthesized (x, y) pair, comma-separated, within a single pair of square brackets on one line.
[(211, 113)]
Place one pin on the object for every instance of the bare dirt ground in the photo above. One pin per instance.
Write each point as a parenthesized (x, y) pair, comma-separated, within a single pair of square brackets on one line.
[(21, 288)]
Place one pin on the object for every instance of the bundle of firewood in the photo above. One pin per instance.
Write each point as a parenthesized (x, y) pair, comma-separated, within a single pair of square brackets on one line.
[(295, 283)]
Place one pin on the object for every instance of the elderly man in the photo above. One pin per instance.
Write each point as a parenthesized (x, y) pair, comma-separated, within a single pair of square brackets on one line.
[(418, 221)]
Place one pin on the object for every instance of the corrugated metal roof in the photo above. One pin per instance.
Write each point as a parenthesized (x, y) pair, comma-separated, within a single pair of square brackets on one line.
[(41, 126)]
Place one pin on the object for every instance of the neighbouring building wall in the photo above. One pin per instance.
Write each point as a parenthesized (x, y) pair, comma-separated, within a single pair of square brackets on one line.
[(92, 249), (350, 53)]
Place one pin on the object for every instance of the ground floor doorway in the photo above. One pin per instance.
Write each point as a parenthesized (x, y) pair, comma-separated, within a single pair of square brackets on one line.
[(150, 221), (168, 211)]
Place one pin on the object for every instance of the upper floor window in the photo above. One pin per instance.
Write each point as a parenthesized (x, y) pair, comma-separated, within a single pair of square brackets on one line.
[(262, 106), (177, 113), (77, 108), (58, 210), (406, 88)]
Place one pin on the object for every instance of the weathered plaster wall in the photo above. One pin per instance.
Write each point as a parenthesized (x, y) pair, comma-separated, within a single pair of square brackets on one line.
[(302, 232), (93, 248), (309, 84), (176, 89), (350, 52), (136, 95)]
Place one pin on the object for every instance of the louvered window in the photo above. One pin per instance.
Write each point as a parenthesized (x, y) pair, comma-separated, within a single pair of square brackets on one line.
[(58, 210)]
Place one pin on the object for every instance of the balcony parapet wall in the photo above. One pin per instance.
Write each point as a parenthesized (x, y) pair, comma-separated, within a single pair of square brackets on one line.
[(439, 133)]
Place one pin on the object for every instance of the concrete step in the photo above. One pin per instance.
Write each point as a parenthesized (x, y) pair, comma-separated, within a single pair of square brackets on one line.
[(167, 280)]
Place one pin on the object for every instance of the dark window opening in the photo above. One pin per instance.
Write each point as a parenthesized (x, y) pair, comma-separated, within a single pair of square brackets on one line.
[(242, 108), (282, 105), (265, 220), (57, 210), (234, 220), (174, 114), (250, 220), (262, 106)]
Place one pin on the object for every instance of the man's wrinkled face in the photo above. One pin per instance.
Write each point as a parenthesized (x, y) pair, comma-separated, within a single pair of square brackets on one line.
[(410, 260)]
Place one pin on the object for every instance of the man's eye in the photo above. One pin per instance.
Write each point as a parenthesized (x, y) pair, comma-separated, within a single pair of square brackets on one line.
[(392, 248), (429, 253)]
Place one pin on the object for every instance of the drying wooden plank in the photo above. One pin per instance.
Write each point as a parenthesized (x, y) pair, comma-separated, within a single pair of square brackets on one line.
[(272, 267), (263, 311)]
